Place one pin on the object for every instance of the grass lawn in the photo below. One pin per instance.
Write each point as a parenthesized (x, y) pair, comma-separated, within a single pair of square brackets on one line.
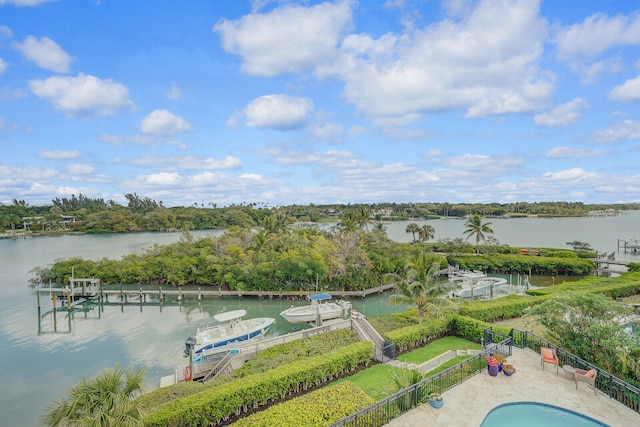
[(447, 364), (436, 348), (375, 381)]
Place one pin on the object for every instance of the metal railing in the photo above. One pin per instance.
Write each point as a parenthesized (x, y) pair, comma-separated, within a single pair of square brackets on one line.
[(391, 407), (382, 412), (614, 387)]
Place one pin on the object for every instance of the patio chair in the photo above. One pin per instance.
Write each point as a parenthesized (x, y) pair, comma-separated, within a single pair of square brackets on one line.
[(548, 355), (588, 377)]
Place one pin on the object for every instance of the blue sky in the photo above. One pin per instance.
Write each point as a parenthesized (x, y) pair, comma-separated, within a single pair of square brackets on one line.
[(298, 102)]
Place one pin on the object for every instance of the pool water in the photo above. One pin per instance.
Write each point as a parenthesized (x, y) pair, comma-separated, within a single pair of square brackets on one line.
[(529, 414)]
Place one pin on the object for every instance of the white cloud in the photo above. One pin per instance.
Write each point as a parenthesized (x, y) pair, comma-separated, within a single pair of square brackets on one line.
[(83, 95), (472, 63), (596, 34), (329, 132), (290, 38), (5, 32), (483, 164), (188, 162), (25, 2), (279, 112), (562, 115), (620, 131), (163, 178), (174, 92), (59, 154), (163, 122), (434, 154), (572, 153), (3, 66), (80, 169), (574, 176), (234, 120), (628, 91), (7, 94), (45, 53)]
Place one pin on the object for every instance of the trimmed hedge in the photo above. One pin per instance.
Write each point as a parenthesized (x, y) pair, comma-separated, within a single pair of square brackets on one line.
[(500, 309), (414, 336), (316, 409), (612, 287), (523, 264), (218, 404)]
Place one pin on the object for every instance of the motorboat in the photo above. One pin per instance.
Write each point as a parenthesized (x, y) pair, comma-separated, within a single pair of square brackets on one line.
[(317, 310), (232, 329), (476, 284)]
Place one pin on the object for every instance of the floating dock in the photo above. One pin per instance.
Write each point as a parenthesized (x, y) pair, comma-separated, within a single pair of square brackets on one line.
[(632, 245)]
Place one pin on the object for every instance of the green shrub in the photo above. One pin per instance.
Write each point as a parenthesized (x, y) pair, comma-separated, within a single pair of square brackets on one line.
[(523, 264), (315, 409), (413, 336), (218, 404), (499, 309)]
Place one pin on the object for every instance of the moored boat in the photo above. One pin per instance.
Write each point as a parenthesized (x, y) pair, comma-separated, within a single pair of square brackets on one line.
[(317, 310), (232, 329)]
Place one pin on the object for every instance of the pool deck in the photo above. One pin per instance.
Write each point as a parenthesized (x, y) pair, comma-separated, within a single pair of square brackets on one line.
[(468, 403)]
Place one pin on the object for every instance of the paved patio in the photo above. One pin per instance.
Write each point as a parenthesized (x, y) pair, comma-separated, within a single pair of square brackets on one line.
[(468, 404)]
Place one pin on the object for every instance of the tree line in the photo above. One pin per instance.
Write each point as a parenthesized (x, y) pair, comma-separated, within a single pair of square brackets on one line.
[(276, 257), (84, 214)]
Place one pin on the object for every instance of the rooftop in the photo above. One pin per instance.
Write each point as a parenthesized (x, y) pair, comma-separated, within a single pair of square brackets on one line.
[(468, 404)]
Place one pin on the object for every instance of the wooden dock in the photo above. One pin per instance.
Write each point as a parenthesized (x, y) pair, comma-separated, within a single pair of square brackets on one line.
[(633, 245), (85, 289)]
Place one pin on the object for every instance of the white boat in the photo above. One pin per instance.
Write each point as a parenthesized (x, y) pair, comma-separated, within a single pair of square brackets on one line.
[(230, 330), (317, 310), (476, 284)]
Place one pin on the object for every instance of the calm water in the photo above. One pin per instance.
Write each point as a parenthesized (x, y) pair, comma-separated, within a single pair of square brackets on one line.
[(42, 359)]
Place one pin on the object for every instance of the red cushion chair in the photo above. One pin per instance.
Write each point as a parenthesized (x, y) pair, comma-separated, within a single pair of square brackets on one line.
[(588, 377), (548, 355)]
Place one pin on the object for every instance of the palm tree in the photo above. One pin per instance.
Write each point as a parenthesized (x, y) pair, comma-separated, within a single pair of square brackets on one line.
[(426, 233), (363, 217), (348, 224), (106, 400), (275, 224), (475, 226), (413, 228), (379, 226), (419, 287), (402, 379)]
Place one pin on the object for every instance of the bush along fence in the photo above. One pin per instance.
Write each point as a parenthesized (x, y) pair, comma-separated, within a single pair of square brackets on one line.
[(218, 405), (391, 407), (612, 386), (403, 401)]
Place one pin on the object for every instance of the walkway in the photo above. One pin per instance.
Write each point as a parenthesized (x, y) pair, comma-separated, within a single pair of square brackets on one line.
[(466, 405)]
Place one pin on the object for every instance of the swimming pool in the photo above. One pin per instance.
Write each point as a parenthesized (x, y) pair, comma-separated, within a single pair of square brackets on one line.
[(529, 414)]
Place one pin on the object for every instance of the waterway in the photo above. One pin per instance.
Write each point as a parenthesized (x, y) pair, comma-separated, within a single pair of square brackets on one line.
[(43, 356)]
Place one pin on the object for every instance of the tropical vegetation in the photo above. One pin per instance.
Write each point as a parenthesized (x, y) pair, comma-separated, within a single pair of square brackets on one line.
[(84, 214), (110, 399)]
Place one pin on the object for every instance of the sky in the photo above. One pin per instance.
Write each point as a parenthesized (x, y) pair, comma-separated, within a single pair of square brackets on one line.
[(214, 102)]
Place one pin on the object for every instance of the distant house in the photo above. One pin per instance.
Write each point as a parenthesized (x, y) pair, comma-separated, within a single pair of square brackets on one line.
[(384, 212), (333, 213)]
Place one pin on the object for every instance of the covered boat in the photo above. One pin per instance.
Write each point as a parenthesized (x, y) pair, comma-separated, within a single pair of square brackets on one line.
[(232, 329), (317, 310)]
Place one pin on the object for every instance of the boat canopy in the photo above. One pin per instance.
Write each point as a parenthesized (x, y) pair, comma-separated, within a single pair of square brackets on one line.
[(319, 297), (230, 315)]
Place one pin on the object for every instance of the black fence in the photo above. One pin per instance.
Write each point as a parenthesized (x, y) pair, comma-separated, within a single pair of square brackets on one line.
[(497, 343), (612, 386), (382, 412)]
